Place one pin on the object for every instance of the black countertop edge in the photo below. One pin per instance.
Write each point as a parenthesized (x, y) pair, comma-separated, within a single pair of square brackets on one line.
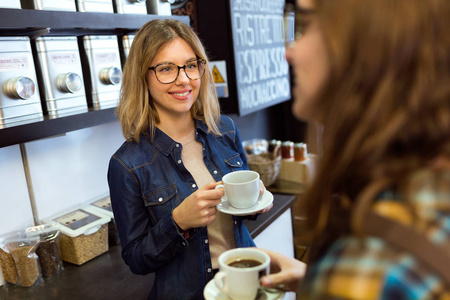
[(281, 203)]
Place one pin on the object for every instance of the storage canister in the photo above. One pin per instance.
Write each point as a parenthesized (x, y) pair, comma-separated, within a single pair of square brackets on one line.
[(159, 7), (64, 5), (130, 6), (19, 93), (104, 6), (103, 206), (84, 234), (127, 40), (10, 4), (62, 74), (105, 69)]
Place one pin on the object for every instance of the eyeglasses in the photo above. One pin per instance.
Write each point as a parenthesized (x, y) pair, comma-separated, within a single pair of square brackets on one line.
[(295, 23), (168, 72)]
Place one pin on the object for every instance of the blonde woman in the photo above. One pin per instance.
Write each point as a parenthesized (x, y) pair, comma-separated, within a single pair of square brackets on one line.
[(162, 179)]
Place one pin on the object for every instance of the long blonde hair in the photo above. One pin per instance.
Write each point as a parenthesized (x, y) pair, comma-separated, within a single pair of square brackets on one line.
[(386, 105), (136, 111)]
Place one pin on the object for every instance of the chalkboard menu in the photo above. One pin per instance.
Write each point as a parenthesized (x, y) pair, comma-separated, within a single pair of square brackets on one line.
[(262, 73)]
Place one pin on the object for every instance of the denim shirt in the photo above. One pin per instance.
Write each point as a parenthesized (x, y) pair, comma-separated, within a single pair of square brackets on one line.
[(147, 180)]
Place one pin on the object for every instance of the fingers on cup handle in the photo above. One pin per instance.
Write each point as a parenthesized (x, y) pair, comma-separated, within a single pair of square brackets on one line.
[(221, 186)]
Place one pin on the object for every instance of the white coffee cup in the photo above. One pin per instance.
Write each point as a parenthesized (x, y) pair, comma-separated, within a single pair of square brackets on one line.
[(241, 188), (241, 282)]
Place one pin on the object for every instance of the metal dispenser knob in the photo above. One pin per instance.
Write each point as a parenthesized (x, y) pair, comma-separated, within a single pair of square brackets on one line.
[(19, 88), (112, 75), (69, 82)]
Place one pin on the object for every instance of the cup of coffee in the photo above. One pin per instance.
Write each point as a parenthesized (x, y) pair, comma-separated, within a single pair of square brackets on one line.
[(240, 271), (241, 188)]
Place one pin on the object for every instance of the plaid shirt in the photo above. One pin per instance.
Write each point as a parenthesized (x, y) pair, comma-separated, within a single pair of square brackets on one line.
[(370, 268)]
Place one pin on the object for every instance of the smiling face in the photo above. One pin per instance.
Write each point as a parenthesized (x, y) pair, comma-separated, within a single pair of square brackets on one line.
[(174, 99), (310, 66)]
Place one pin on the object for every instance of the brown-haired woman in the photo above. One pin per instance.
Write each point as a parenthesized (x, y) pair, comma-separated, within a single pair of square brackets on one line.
[(162, 179), (376, 76)]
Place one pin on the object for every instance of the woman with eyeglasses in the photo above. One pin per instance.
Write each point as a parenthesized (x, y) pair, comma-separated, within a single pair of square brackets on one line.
[(162, 179), (375, 74)]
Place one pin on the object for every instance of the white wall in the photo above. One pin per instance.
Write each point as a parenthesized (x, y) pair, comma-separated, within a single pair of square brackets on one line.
[(15, 209), (65, 171), (69, 170)]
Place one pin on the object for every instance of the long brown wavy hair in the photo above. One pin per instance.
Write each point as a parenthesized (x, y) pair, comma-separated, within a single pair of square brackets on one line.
[(386, 105), (136, 111)]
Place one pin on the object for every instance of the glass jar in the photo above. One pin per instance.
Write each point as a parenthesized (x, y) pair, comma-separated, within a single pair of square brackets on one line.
[(287, 150), (300, 152)]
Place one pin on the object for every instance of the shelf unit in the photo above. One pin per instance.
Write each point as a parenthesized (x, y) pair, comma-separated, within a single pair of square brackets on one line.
[(35, 23)]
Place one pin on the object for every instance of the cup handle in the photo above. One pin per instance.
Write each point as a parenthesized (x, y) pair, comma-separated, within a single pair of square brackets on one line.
[(221, 186), (220, 282)]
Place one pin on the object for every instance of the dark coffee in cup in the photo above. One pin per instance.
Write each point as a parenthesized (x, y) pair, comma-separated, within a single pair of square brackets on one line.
[(244, 263)]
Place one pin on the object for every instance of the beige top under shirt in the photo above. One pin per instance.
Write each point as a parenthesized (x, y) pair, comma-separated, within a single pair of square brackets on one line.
[(220, 232)]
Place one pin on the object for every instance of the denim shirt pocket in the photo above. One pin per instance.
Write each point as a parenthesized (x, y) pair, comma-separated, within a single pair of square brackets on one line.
[(161, 202), (235, 162)]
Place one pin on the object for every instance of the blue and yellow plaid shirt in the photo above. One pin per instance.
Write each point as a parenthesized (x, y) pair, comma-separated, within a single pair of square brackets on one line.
[(370, 268)]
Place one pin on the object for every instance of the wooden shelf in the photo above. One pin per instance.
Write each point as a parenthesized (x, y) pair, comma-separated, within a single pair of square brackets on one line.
[(51, 127), (30, 22)]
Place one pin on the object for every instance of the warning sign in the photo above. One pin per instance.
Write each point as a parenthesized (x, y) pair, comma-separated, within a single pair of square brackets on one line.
[(219, 72), (217, 77)]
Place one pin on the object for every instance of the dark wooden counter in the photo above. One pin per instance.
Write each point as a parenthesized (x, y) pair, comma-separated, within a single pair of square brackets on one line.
[(108, 277)]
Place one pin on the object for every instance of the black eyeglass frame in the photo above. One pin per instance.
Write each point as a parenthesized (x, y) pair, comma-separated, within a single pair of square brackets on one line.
[(179, 68), (294, 11)]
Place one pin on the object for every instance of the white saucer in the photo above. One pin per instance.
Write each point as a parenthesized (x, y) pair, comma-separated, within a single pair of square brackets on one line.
[(226, 208), (211, 292)]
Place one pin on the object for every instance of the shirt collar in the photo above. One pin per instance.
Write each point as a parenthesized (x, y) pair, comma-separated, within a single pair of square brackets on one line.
[(165, 144)]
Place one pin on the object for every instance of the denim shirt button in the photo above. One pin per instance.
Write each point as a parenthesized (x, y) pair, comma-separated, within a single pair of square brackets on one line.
[(206, 241), (235, 222), (179, 161), (160, 199), (194, 185), (238, 163), (215, 172), (184, 244), (209, 270), (177, 145)]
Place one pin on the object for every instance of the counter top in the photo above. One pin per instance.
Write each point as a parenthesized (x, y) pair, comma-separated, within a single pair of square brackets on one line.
[(108, 277)]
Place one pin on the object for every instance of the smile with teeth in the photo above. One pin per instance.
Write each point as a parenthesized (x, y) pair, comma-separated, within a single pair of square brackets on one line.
[(181, 94)]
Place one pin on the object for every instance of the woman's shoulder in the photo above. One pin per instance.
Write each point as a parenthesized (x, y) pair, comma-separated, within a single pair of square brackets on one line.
[(368, 268), (226, 123), (132, 152)]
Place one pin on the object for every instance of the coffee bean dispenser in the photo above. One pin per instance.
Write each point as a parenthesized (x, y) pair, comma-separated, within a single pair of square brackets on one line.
[(19, 96), (127, 40), (104, 6), (130, 6), (65, 5), (10, 4), (62, 75), (159, 7), (105, 70)]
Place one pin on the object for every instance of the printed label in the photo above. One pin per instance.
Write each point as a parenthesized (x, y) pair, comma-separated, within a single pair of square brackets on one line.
[(104, 204), (63, 58), (106, 58), (13, 63), (77, 219)]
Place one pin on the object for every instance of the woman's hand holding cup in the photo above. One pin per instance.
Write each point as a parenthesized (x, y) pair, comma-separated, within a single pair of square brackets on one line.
[(199, 209)]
